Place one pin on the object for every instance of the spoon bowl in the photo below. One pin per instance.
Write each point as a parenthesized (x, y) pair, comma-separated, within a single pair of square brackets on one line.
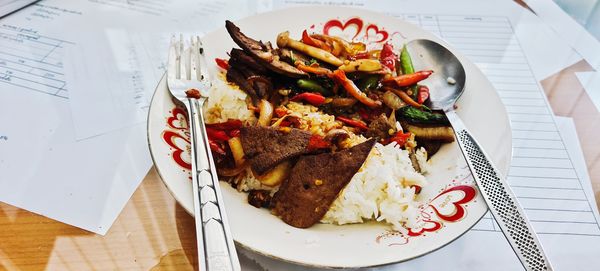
[(447, 82)]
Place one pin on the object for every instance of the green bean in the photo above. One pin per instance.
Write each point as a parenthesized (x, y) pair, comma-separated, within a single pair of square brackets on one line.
[(406, 62), (408, 68), (311, 85)]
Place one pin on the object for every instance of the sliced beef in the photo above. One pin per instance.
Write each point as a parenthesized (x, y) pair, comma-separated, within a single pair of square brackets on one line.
[(234, 75), (262, 53), (380, 127), (266, 147), (240, 58), (250, 76), (315, 182)]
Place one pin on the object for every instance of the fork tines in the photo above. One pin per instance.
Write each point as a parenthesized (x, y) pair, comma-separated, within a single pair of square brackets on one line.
[(186, 63)]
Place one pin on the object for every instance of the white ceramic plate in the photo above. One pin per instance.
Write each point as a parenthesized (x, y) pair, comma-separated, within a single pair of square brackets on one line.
[(451, 204)]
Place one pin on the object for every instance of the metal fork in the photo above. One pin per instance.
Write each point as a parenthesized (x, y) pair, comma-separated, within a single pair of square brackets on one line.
[(187, 70)]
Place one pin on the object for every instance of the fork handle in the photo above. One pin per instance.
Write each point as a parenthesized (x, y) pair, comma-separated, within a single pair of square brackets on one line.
[(216, 250), (501, 200)]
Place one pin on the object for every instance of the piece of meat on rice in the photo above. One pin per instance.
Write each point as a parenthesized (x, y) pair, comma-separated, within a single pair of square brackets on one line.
[(315, 182)]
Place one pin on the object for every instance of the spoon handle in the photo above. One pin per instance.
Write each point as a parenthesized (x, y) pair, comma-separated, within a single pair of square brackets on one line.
[(501, 200)]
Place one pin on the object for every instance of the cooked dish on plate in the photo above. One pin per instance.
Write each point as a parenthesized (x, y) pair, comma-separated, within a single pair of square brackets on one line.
[(320, 129)]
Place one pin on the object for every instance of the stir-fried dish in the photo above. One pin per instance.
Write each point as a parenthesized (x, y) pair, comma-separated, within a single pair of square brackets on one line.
[(326, 128)]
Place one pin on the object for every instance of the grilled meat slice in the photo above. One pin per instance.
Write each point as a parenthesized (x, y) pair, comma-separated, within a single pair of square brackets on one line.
[(315, 182), (257, 79), (240, 58), (234, 75), (262, 53), (266, 147), (380, 128)]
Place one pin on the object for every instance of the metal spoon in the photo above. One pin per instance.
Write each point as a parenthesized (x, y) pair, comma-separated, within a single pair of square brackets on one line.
[(499, 197)]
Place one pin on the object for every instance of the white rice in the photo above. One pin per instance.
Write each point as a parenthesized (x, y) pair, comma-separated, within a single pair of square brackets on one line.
[(227, 102), (380, 191)]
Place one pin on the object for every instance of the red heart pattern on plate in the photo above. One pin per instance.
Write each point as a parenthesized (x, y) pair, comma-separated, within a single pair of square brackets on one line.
[(178, 119), (450, 204), (335, 23), (180, 146), (373, 34)]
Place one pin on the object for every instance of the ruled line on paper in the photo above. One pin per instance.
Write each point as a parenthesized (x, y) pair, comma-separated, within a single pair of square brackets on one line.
[(541, 173), (32, 61)]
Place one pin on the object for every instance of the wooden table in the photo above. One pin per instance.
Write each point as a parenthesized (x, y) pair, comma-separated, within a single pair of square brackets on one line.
[(154, 232)]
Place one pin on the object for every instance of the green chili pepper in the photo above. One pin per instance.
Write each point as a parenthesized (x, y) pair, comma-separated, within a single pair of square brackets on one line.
[(406, 61), (408, 68), (312, 86)]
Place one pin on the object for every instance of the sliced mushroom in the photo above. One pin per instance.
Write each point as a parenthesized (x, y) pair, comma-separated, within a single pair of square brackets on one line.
[(284, 40), (362, 65), (292, 55)]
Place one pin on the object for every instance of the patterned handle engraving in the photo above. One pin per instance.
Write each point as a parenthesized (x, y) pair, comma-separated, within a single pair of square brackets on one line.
[(503, 205), (216, 246)]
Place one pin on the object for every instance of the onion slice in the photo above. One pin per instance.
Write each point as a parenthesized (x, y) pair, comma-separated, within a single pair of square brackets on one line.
[(235, 144), (266, 113)]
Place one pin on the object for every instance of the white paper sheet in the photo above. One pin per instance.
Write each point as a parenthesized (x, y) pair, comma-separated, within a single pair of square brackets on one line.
[(116, 93), (548, 173), (567, 28), (43, 169), (46, 166), (8, 6)]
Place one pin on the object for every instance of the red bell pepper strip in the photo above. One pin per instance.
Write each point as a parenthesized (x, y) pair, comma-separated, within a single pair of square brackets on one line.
[(340, 77), (308, 40), (406, 80), (404, 96), (215, 147), (317, 142), (361, 55), (222, 63), (387, 56), (230, 124), (422, 94), (315, 99), (234, 133), (285, 123), (417, 188), (216, 135), (280, 112), (354, 123), (400, 138)]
